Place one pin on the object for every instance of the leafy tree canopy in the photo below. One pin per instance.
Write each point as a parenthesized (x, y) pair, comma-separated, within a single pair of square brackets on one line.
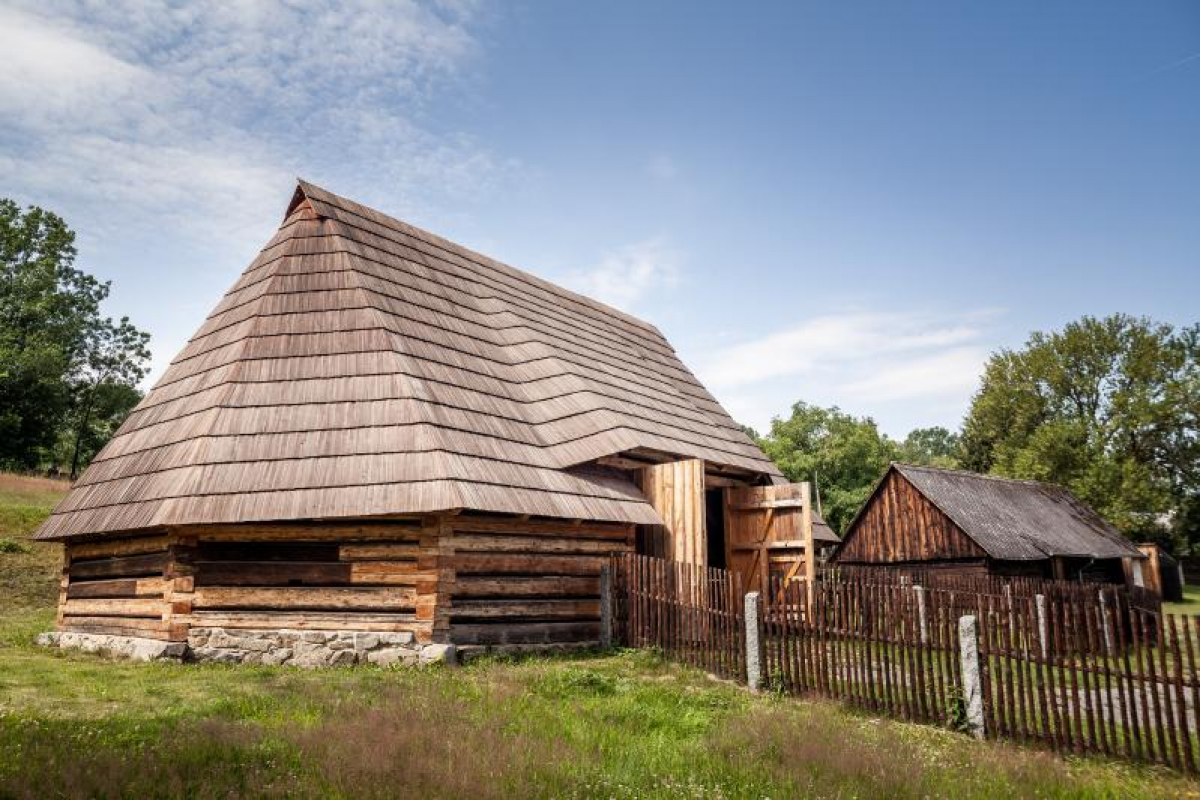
[(1107, 407), (844, 455), (67, 373)]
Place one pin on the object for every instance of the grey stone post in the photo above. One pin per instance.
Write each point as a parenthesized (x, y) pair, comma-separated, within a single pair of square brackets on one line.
[(1104, 623), (754, 644), (606, 606), (968, 649), (921, 619), (1040, 602)]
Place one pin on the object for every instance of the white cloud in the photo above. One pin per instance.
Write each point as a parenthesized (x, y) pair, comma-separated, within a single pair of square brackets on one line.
[(624, 277), (144, 114), (903, 368)]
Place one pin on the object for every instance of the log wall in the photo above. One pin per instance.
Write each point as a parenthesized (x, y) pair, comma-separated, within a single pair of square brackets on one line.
[(525, 582), (467, 579), (119, 587)]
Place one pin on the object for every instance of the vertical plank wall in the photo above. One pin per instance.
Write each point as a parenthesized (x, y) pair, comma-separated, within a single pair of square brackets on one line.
[(899, 524), (676, 492)]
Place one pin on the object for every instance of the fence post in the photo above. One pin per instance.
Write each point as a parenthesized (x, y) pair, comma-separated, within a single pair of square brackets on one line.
[(606, 606), (1104, 623), (754, 649), (1039, 601), (968, 649), (920, 592)]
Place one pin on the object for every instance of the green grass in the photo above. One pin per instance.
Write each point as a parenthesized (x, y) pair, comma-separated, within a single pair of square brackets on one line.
[(620, 725), (1190, 604)]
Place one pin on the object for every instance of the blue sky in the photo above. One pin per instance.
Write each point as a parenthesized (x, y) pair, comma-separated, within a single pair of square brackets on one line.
[(847, 203)]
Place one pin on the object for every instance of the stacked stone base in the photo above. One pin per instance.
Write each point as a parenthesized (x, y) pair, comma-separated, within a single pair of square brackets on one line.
[(270, 647), (126, 647), (313, 648)]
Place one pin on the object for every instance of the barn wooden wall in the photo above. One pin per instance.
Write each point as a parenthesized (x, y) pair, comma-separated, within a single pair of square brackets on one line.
[(119, 587), (899, 524), (526, 582), (467, 579), (676, 491)]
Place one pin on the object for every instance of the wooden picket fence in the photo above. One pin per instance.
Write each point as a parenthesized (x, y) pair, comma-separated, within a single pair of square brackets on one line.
[(863, 642), (1093, 677), (1079, 671), (693, 614)]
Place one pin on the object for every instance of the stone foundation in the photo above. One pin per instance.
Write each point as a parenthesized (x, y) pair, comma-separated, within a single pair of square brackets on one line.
[(127, 647), (312, 648), (271, 647)]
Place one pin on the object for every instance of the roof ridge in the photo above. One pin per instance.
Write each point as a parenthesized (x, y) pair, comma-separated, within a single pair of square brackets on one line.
[(966, 473)]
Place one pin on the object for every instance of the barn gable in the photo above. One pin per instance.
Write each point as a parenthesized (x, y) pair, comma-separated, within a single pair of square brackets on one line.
[(899, 524)]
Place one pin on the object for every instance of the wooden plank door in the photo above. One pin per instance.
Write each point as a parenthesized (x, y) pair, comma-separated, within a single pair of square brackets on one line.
[(676, 491), (766, 531)]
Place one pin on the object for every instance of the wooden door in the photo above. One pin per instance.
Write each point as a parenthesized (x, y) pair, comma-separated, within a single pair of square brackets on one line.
[(676, 491), (766, 529)]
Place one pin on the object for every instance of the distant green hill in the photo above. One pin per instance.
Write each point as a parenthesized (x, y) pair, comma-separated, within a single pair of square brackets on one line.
[(29, 570)]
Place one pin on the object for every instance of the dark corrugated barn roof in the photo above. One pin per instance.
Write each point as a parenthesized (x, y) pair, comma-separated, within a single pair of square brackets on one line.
[(361, 367), (1019, 520)]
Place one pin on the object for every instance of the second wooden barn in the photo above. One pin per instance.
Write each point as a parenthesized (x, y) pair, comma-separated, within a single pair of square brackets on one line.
[(921, 520), (381, 444)]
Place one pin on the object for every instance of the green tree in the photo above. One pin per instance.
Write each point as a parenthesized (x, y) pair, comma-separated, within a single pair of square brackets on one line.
[(56, 349), (842, 454), (935, 446), (1107, 407)]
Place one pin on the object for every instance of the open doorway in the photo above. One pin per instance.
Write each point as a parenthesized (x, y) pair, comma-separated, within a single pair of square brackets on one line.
[(714, 527)]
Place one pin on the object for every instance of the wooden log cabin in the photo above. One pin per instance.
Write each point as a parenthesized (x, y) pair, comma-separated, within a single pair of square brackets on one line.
[(381, 438), (926, 521)]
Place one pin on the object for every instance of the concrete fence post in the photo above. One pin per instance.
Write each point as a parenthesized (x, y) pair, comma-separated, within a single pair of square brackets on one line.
[(754, 644), (606, 606), (968, 650), (921, 618), (1039, 601), (1104, 623)]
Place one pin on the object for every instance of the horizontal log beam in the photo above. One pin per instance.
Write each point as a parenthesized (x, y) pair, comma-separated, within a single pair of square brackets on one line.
[(118, 588), (272, 573), (118, 547), (300, 533), (283, 620), (164, 634), (390, 551), (524, 633), (128, 623), (505, 609), (614, 532), (498, 563), (489, 542), (220, 597), (468, 587), (116, 608), (121, 567)]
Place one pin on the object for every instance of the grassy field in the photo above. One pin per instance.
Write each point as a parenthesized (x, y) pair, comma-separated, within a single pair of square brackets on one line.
[(1190, 604), (616, 725)]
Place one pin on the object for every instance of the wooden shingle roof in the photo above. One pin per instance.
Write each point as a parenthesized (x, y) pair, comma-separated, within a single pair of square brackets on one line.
[(361, 367)]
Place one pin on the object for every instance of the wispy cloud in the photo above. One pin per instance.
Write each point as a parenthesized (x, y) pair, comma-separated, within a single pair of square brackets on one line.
[(904, 363), (625, 277), (143, 113)]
